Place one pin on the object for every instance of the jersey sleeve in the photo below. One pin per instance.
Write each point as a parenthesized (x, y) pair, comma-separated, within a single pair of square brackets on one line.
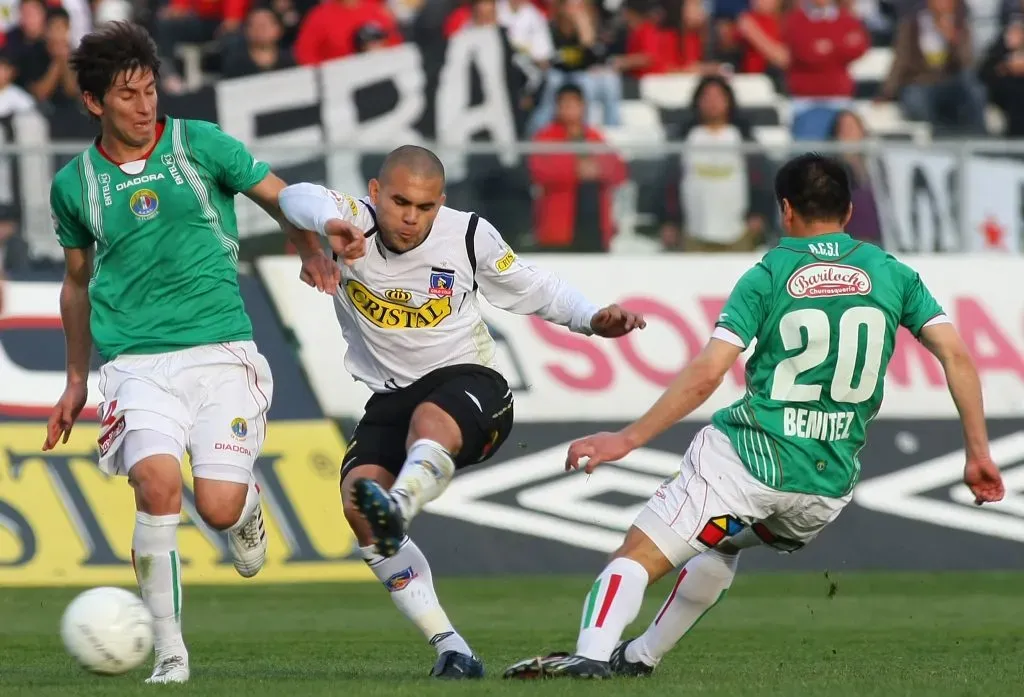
[(310, 206), (920, 307), (508, 282), (746, 308), (229, 160), (71, 231)]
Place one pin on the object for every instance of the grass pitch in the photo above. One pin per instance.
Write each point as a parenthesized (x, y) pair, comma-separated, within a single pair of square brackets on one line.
[(784, 635)]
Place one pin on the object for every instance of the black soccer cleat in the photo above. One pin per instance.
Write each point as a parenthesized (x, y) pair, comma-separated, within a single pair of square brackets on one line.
[(620, 666), (382, 513), (558, 665), (452, 665)]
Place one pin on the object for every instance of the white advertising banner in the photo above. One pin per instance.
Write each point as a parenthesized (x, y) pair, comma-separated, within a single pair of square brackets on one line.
[(559, 376)]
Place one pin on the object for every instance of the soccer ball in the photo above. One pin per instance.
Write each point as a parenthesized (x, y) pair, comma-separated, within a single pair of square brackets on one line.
[(107, 630)]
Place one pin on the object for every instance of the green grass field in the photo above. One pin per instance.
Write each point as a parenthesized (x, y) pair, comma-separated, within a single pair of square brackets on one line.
[(786, 635)]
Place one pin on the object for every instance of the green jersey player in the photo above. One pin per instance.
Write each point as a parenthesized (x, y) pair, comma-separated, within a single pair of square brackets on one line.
[(780, 464), (147, 222)]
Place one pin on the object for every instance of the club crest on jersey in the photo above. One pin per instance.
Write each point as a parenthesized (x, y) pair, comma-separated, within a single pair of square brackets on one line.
[(144, 203), (442, 283), (823, 280), (388, 314)]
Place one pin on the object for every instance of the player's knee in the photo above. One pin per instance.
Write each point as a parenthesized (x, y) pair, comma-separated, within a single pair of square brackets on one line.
[(157, 484), (434, 423), (641, 549), (220, 503)]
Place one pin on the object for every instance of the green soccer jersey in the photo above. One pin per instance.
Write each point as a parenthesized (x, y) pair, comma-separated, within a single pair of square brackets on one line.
[(824, 311), (165, 275)]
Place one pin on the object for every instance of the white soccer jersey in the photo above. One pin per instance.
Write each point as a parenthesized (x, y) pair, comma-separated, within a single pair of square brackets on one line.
[(404, 315)]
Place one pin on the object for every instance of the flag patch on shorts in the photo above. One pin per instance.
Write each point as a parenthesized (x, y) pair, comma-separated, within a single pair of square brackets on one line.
[(719, 528)]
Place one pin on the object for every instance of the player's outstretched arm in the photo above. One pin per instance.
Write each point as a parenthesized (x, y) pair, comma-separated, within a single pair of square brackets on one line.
[(980, 474), (74, 314), (691, 388), (511, 284)]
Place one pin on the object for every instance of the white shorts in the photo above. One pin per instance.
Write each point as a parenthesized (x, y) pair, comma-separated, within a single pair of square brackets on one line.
[(714, 498), (210, 401)]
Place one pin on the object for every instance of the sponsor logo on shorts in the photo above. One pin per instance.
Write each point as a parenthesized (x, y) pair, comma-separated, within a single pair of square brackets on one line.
[(234, 448), (398, 295), (719, 528), (391, 315), (109, 434), (239, 428), (403, 578), (827, 280), (144, 203), (503, 264), (442, 283)]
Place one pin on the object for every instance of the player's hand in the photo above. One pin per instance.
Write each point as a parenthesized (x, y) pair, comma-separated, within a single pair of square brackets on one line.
[(596, 449), (64, 414), (982, 477), (613, 321), (320, 272), (347, 240)]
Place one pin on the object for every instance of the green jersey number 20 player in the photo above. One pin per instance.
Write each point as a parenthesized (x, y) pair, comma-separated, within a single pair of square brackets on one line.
[(146, 218), (780, 464)]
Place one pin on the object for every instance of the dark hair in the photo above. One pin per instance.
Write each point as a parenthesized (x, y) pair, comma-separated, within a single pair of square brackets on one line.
[(114, 48), (53, 13), (817, 188), (569, 88)]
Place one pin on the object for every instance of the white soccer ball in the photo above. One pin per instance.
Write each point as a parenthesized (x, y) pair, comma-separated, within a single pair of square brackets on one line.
[(107, 630)]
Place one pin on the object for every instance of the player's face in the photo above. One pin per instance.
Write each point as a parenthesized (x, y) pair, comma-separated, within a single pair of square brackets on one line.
[(406, 204), (128, 109)]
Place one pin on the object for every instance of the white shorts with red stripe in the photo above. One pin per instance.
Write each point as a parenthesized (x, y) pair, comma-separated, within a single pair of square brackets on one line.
[(210, 401), (714, 498)]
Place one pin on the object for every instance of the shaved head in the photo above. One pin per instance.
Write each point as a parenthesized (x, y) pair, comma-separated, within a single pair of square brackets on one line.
[(416, 160)]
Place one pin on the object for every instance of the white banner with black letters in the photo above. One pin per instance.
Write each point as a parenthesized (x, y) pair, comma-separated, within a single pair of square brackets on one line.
[(919, 196)]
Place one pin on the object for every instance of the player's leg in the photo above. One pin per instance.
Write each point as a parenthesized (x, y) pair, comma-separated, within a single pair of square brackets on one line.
[(232, 390), (686, 516), (464, 418), (142, 437)]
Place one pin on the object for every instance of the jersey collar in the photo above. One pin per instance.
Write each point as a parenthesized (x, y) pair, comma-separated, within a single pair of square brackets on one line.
[(131, 167)]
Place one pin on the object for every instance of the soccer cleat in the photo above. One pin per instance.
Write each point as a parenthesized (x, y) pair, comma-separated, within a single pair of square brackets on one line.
[(452, 665), (172, 669), (620, 666), (382, 513), (558, 665), (249, 545)]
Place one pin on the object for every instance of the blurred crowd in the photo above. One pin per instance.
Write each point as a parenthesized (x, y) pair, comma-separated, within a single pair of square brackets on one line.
[(581, 56)]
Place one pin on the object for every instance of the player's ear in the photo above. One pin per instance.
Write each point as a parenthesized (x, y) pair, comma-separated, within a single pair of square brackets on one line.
[(849, 214), (92, 104), (443, 198), (374, 188), (787, 215)]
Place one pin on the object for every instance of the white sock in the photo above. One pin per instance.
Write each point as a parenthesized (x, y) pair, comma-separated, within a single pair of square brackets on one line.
[(407, 577), (425, 475), (613, 602), (158, 571), (701, 584), (252, 502)]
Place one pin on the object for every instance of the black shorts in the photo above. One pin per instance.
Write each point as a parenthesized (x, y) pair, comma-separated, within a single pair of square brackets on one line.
[(478, 398)]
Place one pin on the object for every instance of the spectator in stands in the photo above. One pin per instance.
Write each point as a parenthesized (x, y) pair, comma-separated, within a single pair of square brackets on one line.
[(1003, 73), (932, 68), (864, 224), (718, 199), (579, 58), (13, 99), (262, 50), (528, 30), (291, 13), (823, 38), (573, 209), (42, 56), (330, 29), (196, 22), (645, 48), (760, 32)]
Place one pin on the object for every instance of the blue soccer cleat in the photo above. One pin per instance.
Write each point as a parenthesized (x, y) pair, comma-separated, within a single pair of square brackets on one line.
[(382, 513), (452, 665)]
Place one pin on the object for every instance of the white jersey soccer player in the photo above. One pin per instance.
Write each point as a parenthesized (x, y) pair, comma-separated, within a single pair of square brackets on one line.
[(410, 314)]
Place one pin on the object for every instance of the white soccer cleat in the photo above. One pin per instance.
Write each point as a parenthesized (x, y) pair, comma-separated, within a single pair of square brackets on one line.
[(249, 545), (170, 669)]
